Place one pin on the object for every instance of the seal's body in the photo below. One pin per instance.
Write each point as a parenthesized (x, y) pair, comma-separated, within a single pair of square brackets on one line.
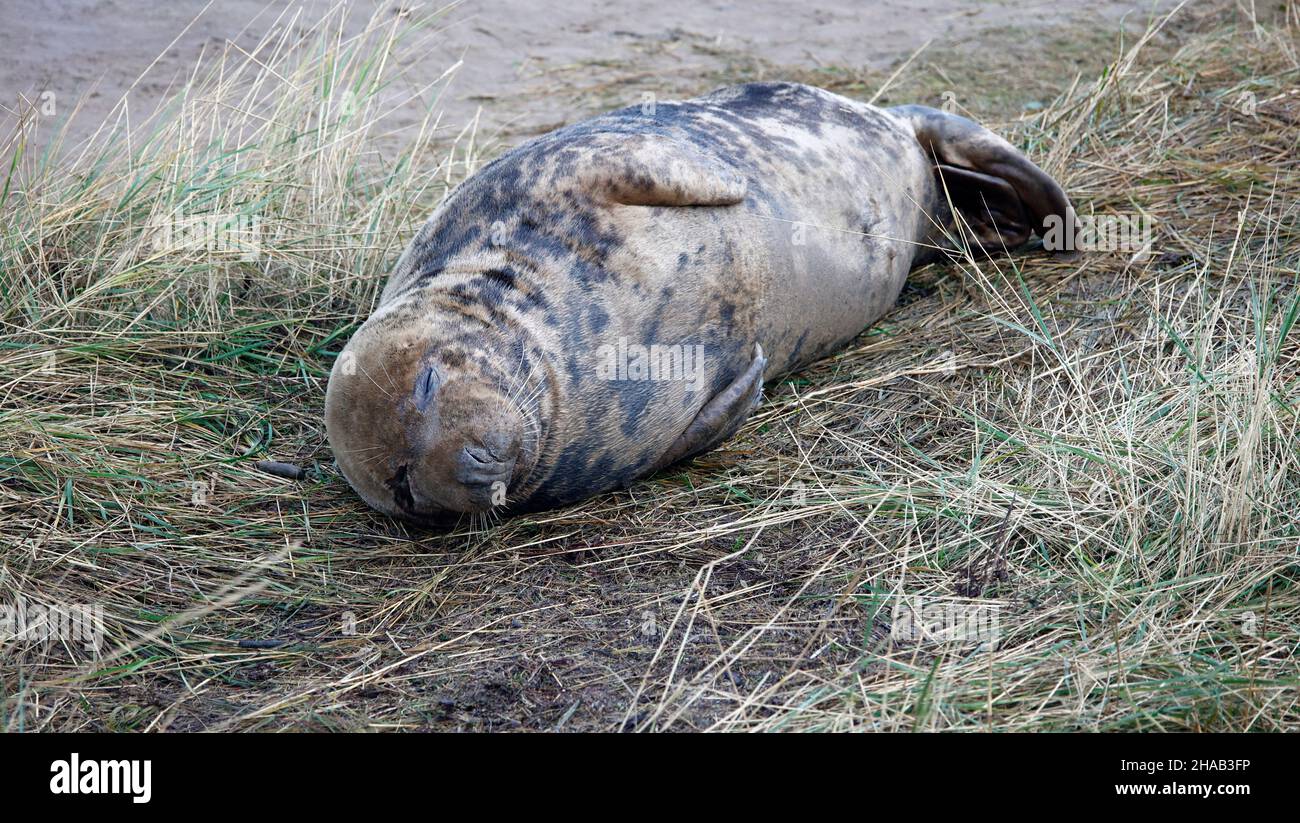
[(607, 299)]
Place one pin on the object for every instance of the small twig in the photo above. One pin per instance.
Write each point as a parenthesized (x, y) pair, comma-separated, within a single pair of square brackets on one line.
[(287, 470), (261, 644)]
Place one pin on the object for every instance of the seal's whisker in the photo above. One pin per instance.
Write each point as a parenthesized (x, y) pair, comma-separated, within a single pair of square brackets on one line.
[(376, 383), (521, 383), (371, 461), (530, 402)]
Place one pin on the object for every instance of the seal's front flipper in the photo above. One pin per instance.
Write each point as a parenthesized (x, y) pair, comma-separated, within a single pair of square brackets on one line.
[(636, 170), (722, 416)]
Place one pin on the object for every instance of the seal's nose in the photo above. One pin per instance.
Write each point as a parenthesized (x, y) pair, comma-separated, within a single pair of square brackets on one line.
[(489, 462), (468, 447)]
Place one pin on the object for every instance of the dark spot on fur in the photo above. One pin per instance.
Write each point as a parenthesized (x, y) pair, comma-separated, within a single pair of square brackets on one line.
[(506, 279), (400, 486), (795, 353), (633, 398)]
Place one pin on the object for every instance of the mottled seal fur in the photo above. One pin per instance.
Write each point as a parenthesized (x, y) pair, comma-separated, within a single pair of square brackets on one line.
[(761, 226)]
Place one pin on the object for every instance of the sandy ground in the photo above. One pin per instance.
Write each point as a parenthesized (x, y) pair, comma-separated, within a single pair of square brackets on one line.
[(516, 53)]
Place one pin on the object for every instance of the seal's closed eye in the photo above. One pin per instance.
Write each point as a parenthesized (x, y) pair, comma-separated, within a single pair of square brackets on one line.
[(426, 385)]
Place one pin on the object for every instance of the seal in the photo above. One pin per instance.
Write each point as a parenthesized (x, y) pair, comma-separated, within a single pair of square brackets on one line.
[(608, 299)]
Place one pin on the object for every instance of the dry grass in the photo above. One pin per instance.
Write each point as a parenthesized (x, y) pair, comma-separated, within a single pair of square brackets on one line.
[(1105, 450)]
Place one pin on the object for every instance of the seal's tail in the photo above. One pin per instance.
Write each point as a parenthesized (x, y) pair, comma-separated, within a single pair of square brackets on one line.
[(1001, 195)]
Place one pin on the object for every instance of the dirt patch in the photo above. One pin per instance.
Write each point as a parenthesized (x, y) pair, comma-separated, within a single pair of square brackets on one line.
[(527, 67)]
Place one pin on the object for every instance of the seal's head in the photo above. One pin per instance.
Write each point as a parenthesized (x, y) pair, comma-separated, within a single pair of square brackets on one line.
[(421, 422)]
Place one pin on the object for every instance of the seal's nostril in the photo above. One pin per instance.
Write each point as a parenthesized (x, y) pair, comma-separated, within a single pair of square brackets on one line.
[(499, 447), (478, 467)]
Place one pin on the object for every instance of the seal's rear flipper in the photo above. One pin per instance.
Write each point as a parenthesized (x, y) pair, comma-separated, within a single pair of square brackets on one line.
[(722, 416), (1001, 195), (638, 170)]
